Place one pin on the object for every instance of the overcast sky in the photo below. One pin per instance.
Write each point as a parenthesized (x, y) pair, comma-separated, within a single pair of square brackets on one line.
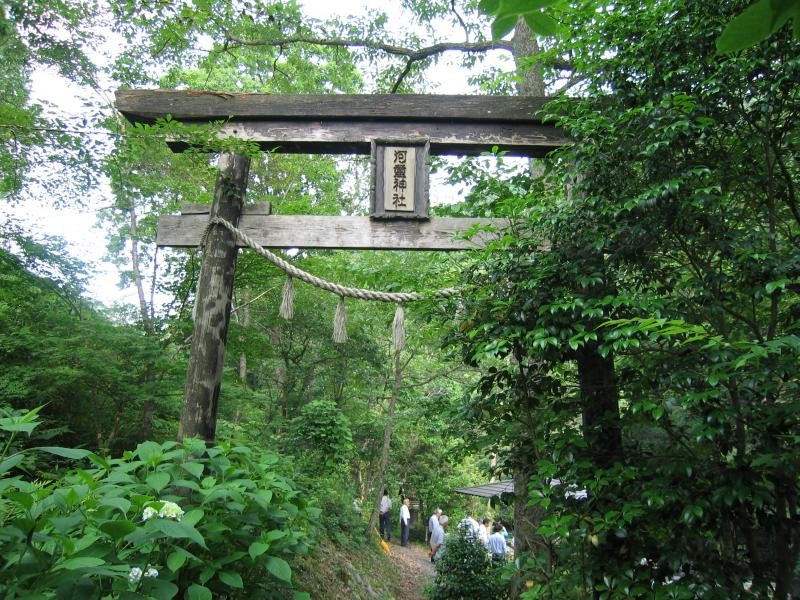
[(79, 226)]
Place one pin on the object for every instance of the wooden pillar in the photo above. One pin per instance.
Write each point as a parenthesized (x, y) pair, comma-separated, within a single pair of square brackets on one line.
[(213, 304)]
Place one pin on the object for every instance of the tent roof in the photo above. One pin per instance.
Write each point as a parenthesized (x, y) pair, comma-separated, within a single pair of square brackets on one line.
[(489, 490)]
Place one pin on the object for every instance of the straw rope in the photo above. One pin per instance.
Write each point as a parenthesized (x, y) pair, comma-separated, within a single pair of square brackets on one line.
[(342, 291)]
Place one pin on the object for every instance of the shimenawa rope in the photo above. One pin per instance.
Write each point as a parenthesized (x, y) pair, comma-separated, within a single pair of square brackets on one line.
[(341, 291), (340, 320)]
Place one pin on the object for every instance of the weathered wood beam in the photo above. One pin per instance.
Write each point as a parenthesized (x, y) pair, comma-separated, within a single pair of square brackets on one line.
[(354, 137), (191, 105), (213, 304), (354, 233), (346, 124)]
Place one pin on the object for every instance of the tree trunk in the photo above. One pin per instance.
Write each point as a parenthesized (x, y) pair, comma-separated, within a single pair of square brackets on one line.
[(601, 425), (526, 518), (387, 441), (524, 45), (138, 280), (600, 405), (146, 420), (213, 303)]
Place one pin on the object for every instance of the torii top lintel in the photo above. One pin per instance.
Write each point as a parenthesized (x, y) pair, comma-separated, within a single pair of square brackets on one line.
[(346, 124)]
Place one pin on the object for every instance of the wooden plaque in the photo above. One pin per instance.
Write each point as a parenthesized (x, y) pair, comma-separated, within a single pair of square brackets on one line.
[(400, 180)]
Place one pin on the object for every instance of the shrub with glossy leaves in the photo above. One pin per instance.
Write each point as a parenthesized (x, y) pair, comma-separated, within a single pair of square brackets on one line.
[(466, 571), (164, 521)]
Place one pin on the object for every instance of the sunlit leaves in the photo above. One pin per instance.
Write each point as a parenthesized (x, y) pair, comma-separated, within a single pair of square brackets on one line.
[(538, 14)]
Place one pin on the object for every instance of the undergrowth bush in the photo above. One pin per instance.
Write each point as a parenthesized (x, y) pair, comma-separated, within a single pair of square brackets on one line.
[(339, 520), (164, 521), (323, 434), (321, 442), (465, 571)]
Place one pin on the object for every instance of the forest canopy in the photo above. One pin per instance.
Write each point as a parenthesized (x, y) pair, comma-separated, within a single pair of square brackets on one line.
[(626, 349)]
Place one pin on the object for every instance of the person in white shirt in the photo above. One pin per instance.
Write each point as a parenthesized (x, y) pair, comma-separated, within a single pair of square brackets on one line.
[(385, 518), (405, 522), (437, 539), (497, 544), (483, 532), (434, 521)]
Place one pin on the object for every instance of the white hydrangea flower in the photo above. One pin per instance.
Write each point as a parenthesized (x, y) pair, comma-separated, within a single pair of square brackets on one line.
[(148, 513), (151, 572), (170, 510), (135, 575)]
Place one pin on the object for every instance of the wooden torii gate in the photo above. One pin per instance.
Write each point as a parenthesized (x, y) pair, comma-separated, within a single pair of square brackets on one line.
[(385, 126)]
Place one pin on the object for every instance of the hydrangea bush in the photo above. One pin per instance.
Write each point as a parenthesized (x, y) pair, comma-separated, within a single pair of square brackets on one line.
[(164, 521)]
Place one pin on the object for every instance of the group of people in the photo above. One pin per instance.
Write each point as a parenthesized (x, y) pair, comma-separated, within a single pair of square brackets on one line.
[(493, 537), (386, 520)]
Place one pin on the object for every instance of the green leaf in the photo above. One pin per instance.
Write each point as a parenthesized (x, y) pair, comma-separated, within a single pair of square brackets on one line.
[(26, 423), (11, 462), (80, 562), (520, 7), (194, 446), (207, 573), (782, 11), (750, 27), (77, 589), (541, 23), (489, 7), (122, 504), (198, 592), (22, 498), (231, 579), (149, 452), (257, 549), (193, 517), (13, 426), (194, 468), (178, 529), (158, 481), (775, 285), (74, 453), (161, 589), (279, 568), (176, 560), (275, 534), (502, 25), (117, 529), (186, 483), (67, 525), (301, 596), (128, 595)]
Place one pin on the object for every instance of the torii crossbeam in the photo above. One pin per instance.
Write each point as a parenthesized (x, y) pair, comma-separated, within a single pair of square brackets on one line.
[(331, 124)]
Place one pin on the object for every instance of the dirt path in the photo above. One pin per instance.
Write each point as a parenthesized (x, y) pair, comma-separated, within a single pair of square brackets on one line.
[(413, 562)]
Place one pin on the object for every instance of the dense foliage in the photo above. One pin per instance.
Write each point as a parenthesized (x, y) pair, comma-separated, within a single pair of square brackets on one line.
[(163, 520), (105, 385), (650, 354), (629, 346)]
